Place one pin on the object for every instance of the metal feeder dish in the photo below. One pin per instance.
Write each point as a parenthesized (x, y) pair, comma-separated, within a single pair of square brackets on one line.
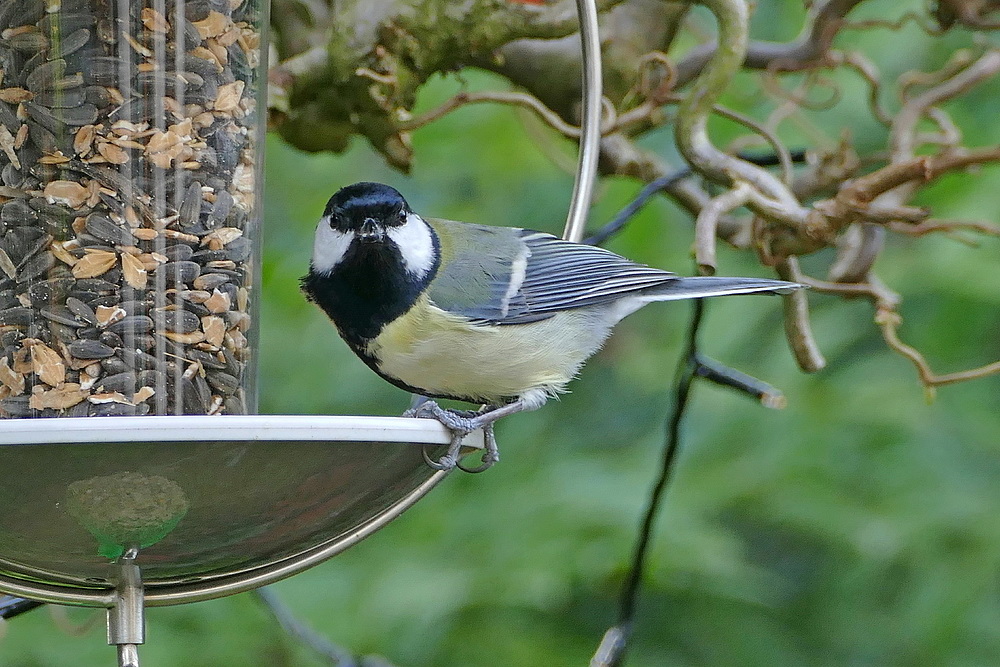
[(132, 469), (214, 506)]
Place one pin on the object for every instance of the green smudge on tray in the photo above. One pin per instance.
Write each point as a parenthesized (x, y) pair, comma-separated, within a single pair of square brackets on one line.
[(126, 509)]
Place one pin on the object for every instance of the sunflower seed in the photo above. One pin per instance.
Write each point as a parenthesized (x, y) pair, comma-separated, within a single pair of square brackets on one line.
[(132, 324), (18, 213), (36, 266), (62, 99), (103, 228), (120, 382), (72, 43), (179, 272), (16, 406), (81, 310), (190, 210), (43, 76), (29, 42), (116, 410), (90, 349), (178, 321), (179, 252), (111, 339), (60, 314), (16, 316)]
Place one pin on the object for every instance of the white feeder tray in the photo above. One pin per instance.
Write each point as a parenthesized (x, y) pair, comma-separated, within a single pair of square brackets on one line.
[(214, 505)]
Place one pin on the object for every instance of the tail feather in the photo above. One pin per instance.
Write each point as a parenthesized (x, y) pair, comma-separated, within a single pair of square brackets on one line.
[(705, 286)]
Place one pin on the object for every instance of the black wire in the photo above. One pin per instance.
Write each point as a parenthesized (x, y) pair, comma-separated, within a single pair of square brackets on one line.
[(621, 219), (686, 373), (11, 606), (611, 651), (770, 158), (616, 639)]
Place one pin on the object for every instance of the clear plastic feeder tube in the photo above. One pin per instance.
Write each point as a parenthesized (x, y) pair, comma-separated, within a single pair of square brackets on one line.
[(131, 146)]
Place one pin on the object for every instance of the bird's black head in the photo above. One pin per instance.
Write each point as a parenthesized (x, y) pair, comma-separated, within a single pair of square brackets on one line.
[(366, 209), (372, 259)]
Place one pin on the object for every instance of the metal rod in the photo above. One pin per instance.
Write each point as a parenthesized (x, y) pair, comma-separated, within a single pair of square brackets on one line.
[(126, 620), (590, 129)]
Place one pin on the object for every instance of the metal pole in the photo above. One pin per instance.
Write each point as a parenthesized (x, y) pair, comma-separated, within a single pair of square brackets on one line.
[(126, 621), (590, 128)]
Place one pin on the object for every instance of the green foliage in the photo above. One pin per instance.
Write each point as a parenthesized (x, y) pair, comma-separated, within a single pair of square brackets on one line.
[(857, 527)]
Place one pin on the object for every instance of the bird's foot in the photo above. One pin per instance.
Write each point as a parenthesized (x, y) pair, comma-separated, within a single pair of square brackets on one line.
[(460, 423)]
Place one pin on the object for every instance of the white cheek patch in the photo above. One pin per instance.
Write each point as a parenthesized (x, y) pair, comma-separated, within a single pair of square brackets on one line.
[(330, 246), (416, 244)]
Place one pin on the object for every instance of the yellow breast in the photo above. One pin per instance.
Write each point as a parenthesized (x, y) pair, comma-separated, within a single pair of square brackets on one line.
[(445, 354)]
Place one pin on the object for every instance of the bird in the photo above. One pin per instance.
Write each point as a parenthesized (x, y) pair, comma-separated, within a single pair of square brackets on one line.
[(500, 317)]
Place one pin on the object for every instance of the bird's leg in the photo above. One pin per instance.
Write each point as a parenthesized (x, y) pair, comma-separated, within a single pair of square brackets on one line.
[(417, 402), (461, 424)]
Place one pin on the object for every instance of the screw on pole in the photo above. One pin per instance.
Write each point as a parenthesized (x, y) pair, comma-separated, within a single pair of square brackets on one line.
[(126, 621)]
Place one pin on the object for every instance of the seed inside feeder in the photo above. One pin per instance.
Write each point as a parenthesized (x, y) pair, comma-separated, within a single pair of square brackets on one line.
[(128, 143)]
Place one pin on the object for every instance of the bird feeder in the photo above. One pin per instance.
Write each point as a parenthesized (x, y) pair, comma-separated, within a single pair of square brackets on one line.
[(133, 470)]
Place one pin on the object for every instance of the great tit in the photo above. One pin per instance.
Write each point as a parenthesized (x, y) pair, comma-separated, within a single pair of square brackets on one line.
[(498, 316)]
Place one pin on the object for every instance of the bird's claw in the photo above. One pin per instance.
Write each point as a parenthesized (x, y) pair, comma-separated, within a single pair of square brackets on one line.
[(491, 454), (460, 424)]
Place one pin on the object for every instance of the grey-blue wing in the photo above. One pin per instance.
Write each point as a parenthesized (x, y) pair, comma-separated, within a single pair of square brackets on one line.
[(501, 275), (562, 275)]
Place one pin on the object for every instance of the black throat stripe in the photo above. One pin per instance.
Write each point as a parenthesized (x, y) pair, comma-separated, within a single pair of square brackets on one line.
[(369, 288)]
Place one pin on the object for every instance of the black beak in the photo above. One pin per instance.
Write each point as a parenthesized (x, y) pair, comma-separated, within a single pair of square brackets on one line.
[(371, 230)]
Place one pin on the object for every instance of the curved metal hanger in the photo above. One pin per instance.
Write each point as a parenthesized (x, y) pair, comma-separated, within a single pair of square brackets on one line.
[(590, 127)]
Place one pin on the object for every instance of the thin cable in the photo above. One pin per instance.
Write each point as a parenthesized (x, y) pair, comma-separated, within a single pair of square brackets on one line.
[(686, 373), (590, 129), (11, 606), (621, 219), (333, 654), (612, 648)]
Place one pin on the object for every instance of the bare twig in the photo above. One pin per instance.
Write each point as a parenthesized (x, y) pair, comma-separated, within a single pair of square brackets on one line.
[(800, 98), (798, 331), (620, 155), (707, 221), (903, 128), (958, 61), (945, 226), (619, 221), (880, 295), (907, 17), (61, 619), (722, 375), (889, 321), (858, 62), (11, 606), (780, 150), (690, 132), (692, 365), (499, 97), (823, 24)]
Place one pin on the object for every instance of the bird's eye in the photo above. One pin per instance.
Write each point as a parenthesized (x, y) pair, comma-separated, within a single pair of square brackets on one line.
[(402, 217)]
